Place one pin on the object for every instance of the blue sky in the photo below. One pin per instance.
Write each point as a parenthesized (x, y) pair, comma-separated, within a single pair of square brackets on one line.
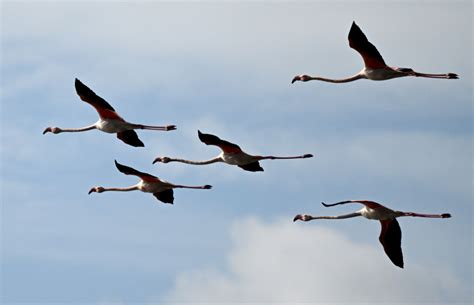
[(226, 69)]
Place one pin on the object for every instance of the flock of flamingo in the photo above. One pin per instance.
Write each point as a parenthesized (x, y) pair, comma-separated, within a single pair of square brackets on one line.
[(375, 69)]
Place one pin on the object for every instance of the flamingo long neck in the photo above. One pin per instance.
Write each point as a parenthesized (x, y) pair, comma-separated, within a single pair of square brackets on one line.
[(338, 81), (77, 129), (122, 189), (213, 160), (338, 217)]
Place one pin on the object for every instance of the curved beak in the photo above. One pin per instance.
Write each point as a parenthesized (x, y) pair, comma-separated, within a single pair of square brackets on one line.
[(297, 217), (92, 190), (156, 160), (296, 78), (47, 130)]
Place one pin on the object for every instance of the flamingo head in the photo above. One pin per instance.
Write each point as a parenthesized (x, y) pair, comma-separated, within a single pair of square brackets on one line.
[(161, 159), (301, 78), (96, 189), (302, 217), (207, 187), (54, 130)]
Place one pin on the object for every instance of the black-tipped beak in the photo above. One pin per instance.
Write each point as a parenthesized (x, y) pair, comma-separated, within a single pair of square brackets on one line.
[(296, 78), (297, 217), (308, 156), (47, 130), (207, 187), (92, 190), (446, 215), (156, 160)]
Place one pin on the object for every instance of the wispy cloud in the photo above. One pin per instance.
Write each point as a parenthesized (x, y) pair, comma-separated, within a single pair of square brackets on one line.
[(289, 262)]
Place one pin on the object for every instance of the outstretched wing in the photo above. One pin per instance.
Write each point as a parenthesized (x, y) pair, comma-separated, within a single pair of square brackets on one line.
[(252, 167), (367, 203), (131, 171), (104, 109), (130, 137), (391, 240), (165, 196), (359, 42), (226, 147)]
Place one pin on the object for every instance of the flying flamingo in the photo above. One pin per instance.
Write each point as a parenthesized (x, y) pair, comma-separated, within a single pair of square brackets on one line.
[(390, 236), (161, 189), (375, 67), (231, 154), (109, 121)]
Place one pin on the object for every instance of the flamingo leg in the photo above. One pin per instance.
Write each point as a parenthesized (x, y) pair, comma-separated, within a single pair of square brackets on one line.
[(441, 76), (161, 128)]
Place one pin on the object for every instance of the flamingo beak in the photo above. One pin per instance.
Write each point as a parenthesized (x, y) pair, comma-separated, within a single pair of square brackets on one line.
[(298, 217), (296, 78), (47, 130), (92, 190), (446, 215), (308, 156), (156, 160), (207, 187)]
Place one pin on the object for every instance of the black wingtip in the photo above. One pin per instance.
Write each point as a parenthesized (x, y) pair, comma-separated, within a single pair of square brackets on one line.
[(118, 165)]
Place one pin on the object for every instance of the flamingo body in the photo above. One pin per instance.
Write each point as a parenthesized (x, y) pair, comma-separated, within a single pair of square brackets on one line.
[(374, 64), (110, 125), (161, 189), (109, 120), (390, 234), (231, 154)]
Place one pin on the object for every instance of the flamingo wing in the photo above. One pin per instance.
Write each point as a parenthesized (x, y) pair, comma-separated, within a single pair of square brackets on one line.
[(130, 137), (104, 109), (370, 204), (252, 167), (226, 147), (359, 42), (131, 171), (165, 196), (391, 240)]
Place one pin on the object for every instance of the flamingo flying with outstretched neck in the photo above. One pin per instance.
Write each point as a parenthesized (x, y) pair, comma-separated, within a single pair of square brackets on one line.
[(161, 189), (375, 67), (231, 154), (390, 235), (109, 120)]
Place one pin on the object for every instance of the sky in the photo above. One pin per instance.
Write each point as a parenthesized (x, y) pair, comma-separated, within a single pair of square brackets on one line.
[(225, 69)]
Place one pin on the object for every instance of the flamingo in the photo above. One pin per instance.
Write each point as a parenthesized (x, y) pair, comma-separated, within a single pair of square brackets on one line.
[(161, 189), (109, 120), (375, 67), (231, 154), (390, 235)]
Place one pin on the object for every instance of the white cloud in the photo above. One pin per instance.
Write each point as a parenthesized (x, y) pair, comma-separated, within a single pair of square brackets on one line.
[(296, 262)]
